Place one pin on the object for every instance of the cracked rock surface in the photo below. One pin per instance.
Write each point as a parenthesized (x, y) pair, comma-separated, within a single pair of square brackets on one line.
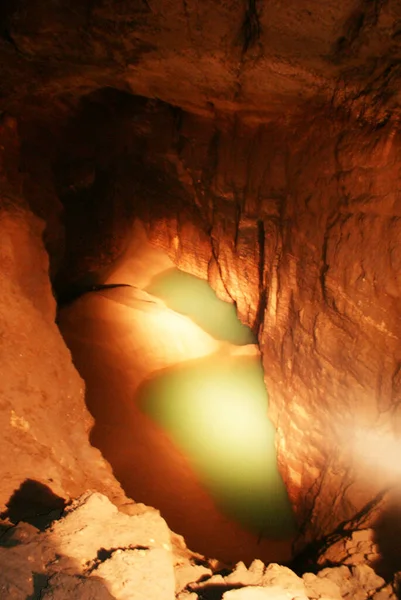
[(94, 552)]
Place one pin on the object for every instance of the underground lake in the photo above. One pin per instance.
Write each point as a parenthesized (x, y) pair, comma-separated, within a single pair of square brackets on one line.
[(175, 385)]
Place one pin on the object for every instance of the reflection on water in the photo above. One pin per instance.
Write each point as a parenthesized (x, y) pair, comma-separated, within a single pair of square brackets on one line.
[(191, 296), (215, 410)]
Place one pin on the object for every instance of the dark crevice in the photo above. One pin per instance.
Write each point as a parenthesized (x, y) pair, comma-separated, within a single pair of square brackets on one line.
[(325, 266), (214, 591), (148, 6), (363, 18), (7, 37), (40, 583), (215, 254), (74, 292), (251, 28), (260, 312)]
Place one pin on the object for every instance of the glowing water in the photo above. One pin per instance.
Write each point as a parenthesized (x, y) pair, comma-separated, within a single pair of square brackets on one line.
[(194, 297), (215, 410)]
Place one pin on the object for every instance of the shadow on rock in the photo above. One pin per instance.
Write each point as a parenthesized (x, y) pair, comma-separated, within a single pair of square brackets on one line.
[(388, 539), (34, 503), (34, 564), (215, 591)]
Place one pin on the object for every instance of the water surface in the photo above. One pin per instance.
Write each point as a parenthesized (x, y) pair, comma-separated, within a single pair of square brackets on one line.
[(215, 410), (192, 296)]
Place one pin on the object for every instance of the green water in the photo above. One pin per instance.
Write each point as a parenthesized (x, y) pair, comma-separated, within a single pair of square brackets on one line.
[(215, 410), (193, 297)]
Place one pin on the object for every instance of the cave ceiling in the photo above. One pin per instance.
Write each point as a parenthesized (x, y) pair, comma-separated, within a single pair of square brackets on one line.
[(261, 58)]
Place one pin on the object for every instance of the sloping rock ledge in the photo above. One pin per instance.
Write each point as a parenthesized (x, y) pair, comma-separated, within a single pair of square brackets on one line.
[(97, 552)]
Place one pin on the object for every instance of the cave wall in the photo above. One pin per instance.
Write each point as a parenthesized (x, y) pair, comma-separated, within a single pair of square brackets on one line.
[(46, 455), (298, 222), (304, 230)]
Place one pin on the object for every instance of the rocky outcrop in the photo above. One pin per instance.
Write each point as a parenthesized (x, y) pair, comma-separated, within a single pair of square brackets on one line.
[(46, 454), (95, 551)]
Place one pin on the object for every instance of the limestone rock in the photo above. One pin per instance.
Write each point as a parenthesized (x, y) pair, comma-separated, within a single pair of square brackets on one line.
[(63, 586), (321, 587), (359, 582), (49, 458), (93, 551), (188, 574), (358, 547), (262, 593), (139, 574), (78, 533)]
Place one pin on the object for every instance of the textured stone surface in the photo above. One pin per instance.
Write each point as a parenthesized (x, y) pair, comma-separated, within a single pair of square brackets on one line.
[(275, 581), (96, 552), (43, 419), (233, 55)]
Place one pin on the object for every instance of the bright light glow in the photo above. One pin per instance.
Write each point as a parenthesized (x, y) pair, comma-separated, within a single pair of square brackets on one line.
[(380, 450), (215, 410), (204, 387), (194, 297)]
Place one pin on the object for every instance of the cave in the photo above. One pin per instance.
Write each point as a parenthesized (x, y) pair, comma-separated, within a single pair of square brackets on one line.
[(200, 207)]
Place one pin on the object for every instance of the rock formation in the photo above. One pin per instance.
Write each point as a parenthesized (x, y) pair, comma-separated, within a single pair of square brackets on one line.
[(259, 145), (95, 551)]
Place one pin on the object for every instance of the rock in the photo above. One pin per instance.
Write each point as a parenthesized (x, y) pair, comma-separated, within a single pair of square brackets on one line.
[(139, 574), (320, 587), (262, 593), (66, 587), (359, 582), (78, 533), (187, 574), (355, 548), (93, 551), (49, 458), (386, 593), (275, 574)]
